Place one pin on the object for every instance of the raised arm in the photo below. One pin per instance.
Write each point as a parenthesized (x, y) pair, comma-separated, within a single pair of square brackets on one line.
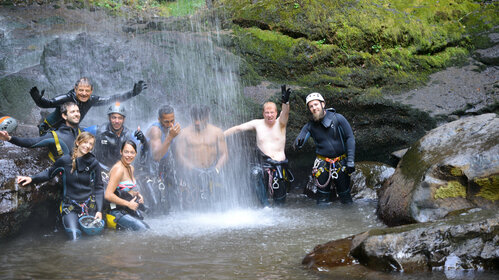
[(284, 116), (251, 125), (137, 89), (42, 102)]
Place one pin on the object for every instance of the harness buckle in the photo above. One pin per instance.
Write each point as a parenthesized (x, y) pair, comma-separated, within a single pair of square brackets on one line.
[(161, 186), (275, 184)]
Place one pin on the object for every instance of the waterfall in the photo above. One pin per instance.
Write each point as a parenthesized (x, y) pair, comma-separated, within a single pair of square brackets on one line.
[(182, 68)]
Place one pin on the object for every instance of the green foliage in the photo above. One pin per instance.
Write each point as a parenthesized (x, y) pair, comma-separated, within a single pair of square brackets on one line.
[(389, 45)]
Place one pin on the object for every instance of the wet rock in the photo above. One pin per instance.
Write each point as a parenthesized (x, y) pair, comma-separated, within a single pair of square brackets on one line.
[(489, 56), (468, 241), (29, 206), (455, 166), (330, 255), (368, 179)]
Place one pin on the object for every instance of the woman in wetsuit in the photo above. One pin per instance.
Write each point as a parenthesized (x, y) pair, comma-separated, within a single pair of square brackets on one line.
[(83, 189), (121, 191)]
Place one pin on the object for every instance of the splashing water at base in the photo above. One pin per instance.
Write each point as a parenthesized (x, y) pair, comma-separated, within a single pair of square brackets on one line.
[(245, 243)]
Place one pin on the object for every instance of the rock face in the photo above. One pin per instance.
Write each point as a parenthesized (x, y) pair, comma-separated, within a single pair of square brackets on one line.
[(466, 241), (28, 206), (455, 166)]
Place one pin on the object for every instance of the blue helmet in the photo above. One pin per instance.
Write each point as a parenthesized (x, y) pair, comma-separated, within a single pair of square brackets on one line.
[(90, 225)]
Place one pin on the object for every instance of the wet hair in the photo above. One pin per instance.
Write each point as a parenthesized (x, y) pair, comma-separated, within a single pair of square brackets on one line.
[(81, 137), (64, 107), (269, 103), (165, 109), (84, 80), (200, 112), (129, 142)]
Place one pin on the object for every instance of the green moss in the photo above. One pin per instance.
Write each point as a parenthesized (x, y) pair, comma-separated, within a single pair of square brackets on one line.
[(489, 187), (456, 172), (452, 189)]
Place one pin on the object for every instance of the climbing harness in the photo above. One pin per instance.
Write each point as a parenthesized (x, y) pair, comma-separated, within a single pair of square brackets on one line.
[(82, 207), (319, 168)]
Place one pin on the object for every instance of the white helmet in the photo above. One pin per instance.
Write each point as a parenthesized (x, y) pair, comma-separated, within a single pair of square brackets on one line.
[(8, 124), (117, 108), (314, 96)]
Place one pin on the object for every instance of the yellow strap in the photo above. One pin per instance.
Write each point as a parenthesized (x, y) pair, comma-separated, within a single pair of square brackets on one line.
[(57, 143), (47, 122), (51, 156)]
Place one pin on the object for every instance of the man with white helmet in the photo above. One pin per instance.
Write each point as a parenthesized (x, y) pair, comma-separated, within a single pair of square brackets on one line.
[(110, 136), (334, 147)]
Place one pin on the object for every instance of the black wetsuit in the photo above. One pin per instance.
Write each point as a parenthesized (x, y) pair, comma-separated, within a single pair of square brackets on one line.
[(66, 135), (55, 119), (333, 137), (108, 144), (85, 182)]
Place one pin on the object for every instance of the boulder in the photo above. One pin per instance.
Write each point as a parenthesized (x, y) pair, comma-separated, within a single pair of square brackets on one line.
[(466, 241), (368, 179), (453, 167), (30, 206)]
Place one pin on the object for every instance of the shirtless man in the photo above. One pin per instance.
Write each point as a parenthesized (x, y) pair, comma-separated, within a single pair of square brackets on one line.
[(202, 145), (270, 140), (202, 151)]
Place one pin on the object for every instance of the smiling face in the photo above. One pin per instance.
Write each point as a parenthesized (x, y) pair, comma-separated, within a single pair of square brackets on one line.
[(83, 92), (72, 115), (316, 107), (85, 146), (269, 113), (128, 154), (116, 120)]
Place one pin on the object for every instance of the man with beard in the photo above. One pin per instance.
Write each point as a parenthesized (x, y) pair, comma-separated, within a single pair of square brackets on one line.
[(59, 141), (335, 150), (201, 151), (270, 140), (110, 136)]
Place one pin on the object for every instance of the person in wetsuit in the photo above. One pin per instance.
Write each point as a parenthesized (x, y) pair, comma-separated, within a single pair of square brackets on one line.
[(60, 141), (334, 148), (270, 175), (111, 136), (82, 96), (83, 191), (122, 192)]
